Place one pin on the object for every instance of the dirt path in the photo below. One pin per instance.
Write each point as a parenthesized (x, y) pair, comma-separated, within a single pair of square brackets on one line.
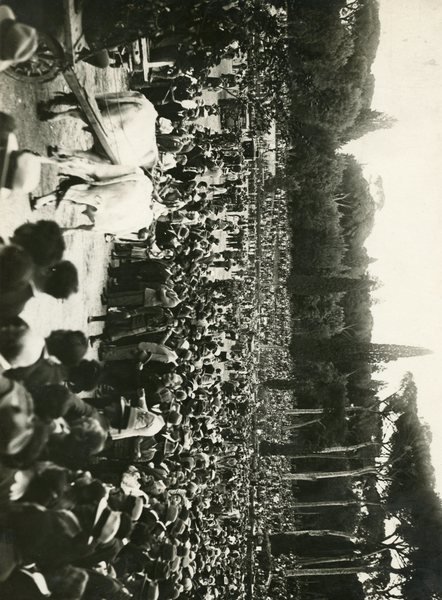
[(88, 251)]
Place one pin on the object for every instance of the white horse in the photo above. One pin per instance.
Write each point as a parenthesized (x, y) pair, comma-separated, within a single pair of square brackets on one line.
[(128, 118)]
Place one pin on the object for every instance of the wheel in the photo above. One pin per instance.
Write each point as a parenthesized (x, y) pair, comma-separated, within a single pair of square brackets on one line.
[(44, 65)]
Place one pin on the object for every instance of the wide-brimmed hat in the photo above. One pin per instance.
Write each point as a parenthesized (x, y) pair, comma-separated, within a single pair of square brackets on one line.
[(189, 559), (187, 584), (171, 514), (150, 591), (174, 417), (162, 571), (149, 518), (168, 552), (192, 489), (178, 527), (106, 523), (134, 506), (18, 42), (169, 590)]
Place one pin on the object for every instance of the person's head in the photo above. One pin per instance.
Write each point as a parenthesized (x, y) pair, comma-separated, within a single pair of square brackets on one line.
[(16, 427), (42, 240), (19, 345), (126, 520), (47, 486), (30, 453), (62, 280), (16, 267), (174, 417), (51, 401), (85, 438), (168, 254), (185, 310), (173, 196), (68, 346), (173, 380), (142, 532), (87, 491), (67, 583), (184, 355), (85, 376)]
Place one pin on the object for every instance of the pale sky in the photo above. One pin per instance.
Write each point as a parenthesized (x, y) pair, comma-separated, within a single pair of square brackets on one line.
[(408, 231)]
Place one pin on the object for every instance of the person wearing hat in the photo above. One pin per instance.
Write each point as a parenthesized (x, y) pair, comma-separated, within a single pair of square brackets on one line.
[(45, 484), (18, 42), (108, 535), (133, 506), (73, 446)]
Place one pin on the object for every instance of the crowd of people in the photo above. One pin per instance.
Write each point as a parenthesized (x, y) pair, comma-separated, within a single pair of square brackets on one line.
[(127, 476)]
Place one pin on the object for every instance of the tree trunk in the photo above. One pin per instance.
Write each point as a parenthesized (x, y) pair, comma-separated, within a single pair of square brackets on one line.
[(314, 476), (330, 503), (318, 455), (323, 572), (334, 559), (304, 411), (267, 448), (320, 411), (322, 533), (349, 448), (300, 425)]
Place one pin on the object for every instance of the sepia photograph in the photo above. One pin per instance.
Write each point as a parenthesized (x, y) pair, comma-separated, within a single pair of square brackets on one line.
[(220, 299)]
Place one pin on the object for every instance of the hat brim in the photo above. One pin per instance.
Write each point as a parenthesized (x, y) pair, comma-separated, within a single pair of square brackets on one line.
[(5, 64), (101, 507), (6, 13), (19, 442)]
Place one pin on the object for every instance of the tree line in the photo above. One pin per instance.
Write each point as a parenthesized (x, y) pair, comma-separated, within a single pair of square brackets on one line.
[(357, 460)]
